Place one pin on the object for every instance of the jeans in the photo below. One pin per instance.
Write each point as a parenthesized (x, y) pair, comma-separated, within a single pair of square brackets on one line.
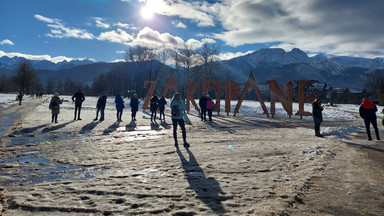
[(182, 126)]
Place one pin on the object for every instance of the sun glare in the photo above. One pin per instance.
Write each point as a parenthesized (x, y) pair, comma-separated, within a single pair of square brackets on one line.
[(152, 7), (146, 13)]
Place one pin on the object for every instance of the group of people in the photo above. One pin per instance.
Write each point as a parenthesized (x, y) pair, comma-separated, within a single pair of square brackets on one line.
[(206, 105), (78, 98), (178, 107), (367, 111), (155, 105)]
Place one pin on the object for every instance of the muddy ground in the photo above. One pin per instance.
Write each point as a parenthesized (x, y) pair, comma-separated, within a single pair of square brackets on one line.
[(243, 165)]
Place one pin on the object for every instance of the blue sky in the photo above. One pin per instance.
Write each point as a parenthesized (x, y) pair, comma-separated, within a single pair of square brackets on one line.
[(103, 29)]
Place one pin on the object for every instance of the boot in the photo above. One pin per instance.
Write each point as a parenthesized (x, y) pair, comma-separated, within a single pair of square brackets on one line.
[(318, 134)]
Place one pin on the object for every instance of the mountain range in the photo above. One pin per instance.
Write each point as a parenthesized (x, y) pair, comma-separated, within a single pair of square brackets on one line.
[(265, 64)]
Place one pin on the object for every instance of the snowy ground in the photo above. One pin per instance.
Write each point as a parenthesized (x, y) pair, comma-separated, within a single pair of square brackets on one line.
[(10, 99), (243, 165)]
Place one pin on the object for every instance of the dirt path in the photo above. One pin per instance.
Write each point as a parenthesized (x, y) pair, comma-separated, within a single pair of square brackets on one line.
[(11, 114), (351, 184)]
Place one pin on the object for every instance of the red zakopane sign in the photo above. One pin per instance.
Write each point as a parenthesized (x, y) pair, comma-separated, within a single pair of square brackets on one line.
[(232, 91)]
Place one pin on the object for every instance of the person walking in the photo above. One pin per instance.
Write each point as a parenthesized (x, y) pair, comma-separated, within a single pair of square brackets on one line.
[(177, 114), (368, 111), (203, 107), (162, 103), (100, 106), (153, 107), (119, 106), (134, 106), (317, 110), (78, 98), (54, 106), (20, 97), (210, 105)]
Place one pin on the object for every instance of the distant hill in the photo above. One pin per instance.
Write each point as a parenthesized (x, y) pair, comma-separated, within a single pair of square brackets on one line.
[(266, 64), (276, 64)]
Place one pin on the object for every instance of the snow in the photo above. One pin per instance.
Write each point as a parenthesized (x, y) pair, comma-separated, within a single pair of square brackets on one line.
[(338, 112), (9, 99), (248, 164)]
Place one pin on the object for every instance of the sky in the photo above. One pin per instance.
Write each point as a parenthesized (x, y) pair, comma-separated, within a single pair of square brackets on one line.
[(103, 30)]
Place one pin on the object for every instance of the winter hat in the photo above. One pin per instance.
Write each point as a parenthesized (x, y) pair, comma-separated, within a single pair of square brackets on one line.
[(56, 94)]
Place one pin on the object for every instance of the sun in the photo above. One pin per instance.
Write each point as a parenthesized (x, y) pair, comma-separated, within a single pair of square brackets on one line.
[(153, 7), (147, 13)]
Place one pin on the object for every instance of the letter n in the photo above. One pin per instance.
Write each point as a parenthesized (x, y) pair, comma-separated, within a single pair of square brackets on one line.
[(286, 101)]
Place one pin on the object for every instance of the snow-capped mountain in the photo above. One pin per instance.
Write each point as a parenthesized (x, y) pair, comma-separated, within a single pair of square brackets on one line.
[(12, 63), (276, 64)]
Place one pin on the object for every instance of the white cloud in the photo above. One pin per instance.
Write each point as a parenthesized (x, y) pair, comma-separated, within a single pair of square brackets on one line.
[(45, 19), (332, 27), (118, 60), (150, 37), (6, 42), (100, 23), (199, 12), (208, 40), (59, 30), (179, 24), (56, 59), (124, 25), (119, 36)]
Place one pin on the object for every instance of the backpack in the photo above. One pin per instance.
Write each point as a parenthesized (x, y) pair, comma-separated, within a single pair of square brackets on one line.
[(175, 111), (53, 104)]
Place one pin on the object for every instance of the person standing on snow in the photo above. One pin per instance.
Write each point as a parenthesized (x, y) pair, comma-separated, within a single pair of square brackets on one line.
[(100, 106), (78, 98), (134, 106), (153, 107), (119, 106), (203, 107), (317, 110), (177, 114), (162, 103), (210, 105), (54, 106), (368, 111)]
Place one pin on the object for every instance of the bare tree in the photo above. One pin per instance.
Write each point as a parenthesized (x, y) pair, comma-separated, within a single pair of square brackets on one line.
[(25, 76), (372, 81), (188, 59), (208, 53)]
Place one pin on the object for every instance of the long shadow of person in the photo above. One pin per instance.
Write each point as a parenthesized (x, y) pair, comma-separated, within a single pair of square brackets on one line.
[(111, 128), (207, 189), (53, 128), (131, 126), (30, 130), (89, 127)]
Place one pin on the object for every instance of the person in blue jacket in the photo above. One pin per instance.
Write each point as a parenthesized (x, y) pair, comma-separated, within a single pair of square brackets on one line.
[(119, 106), (178, 107)]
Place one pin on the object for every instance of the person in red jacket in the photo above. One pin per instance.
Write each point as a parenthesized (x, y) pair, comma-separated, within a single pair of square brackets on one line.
[(368, 111)]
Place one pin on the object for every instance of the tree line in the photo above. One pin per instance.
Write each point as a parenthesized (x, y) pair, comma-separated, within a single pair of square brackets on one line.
[(143, 63)]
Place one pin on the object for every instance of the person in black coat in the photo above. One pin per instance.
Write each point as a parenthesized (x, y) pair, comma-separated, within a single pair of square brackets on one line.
[(203, 107), (317, 110), (100, 106), (368, 111), (162, 103), (153, 107), (134, 106), (78, 98)]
